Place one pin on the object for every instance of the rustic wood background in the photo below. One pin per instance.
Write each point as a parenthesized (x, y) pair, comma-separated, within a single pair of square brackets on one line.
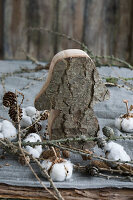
[(104, 25)]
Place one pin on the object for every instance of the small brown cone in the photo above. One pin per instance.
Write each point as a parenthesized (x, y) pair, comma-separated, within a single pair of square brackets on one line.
[(9, 99), (13, 113)]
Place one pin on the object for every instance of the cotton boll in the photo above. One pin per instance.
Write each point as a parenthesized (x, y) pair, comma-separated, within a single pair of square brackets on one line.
[(118, 123), (1, 136), (30, 111), (116, 152), (32, 151), (8, 130), (59, 171), (124, 124), (25, 121), (34, 117), (127, 124), (46, 164), (34, 137), (69, 167), (37, 150)]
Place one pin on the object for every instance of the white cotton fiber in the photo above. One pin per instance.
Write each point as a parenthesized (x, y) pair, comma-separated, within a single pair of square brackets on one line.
[(118, 123), (37, 150), (59, 171), (29, 116), (30, 111), (1, 136), (127, 125), (116, 152), (124, 124), (25, 121), (8, 130), (0, 126)]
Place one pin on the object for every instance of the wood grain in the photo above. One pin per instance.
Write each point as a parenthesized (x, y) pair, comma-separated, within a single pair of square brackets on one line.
[(108, 27), (14, 29), (105, 26), (1, 29), (7, 191), (47, 14), (70, 22)]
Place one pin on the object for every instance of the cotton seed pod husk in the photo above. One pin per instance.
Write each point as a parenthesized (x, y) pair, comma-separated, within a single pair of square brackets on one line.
[(9, 99), (66, 154), (85, 157), (50, 154), (99, 164)]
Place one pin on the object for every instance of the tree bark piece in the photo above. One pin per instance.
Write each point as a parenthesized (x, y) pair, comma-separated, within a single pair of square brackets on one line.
[(72, 88)]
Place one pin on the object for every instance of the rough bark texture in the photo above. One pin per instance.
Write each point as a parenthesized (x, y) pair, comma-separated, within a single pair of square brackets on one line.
[(73, 90)]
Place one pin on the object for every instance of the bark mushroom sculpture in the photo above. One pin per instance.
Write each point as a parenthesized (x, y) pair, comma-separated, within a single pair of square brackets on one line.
[(72, 88)]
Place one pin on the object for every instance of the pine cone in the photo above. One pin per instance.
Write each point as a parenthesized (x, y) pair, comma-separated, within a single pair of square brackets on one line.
[(13, 113), (45, 115), (36, 127), (9, 99)]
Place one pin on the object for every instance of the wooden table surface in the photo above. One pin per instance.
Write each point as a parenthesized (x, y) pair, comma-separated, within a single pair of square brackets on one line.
[(7, 191)]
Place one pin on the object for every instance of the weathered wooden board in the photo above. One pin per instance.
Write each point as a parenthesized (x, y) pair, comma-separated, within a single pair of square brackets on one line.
[(15, 39), (105, 26), (7, 191), (108, 25), (1, 29), (48, 19), (70, 22)]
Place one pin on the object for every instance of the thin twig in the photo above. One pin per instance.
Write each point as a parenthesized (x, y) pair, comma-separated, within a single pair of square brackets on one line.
[(117, 85), (23, 153), (65, 140), (83, 46), (125, 178)]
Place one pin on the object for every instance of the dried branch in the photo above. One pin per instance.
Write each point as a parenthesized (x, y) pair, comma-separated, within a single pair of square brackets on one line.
[(117, 85), (23, 153), (65, 140), (125, 178)]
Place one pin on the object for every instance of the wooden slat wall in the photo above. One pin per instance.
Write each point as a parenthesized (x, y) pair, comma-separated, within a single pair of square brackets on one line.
[(70, 22), (15, 40), (1, 29), (104, 25)]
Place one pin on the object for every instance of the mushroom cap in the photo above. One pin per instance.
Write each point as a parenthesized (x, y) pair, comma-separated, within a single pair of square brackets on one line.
[(80, 80)]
